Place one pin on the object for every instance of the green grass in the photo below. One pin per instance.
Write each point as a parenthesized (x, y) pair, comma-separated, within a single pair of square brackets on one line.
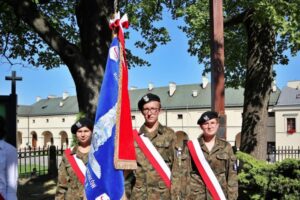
[(26, 170)]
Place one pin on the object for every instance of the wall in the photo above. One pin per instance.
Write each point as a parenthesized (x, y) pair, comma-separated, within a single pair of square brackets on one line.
[(41, 125), (282, 137)]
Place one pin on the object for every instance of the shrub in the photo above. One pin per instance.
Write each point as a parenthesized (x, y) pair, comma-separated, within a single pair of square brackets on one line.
[(262, 180)]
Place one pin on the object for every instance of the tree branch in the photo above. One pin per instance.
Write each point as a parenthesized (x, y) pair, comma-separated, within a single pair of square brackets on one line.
[(238, 19), (29, 13)]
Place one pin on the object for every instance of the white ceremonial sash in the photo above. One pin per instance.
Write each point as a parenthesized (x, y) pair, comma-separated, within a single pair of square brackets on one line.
[(77, 165), (205, 171), (154, 157)]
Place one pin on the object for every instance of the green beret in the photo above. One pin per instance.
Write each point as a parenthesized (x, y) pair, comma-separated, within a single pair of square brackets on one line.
[(146, 99), (207, 116)]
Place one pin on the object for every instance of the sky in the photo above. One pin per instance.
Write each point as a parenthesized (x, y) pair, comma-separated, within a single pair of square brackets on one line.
[(169, 63)]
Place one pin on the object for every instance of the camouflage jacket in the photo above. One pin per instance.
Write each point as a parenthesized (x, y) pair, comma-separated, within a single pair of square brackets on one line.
[(145, 182), (68, 186), (186, 180)]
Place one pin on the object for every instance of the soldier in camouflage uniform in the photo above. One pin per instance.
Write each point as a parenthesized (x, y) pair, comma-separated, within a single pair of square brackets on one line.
[(146, 183), (187, 183), (68, 186)]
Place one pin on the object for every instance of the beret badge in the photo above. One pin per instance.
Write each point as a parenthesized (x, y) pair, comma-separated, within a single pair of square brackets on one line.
[(146, 98), (206, 118), (78, 124)]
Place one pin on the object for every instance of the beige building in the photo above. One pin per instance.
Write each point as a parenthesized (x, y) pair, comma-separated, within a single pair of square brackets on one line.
[(287, 115), (181, 107), (45, 119)]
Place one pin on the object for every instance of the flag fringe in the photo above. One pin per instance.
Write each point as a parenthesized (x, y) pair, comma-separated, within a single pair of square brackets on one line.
[(119, 163), (125, 164)]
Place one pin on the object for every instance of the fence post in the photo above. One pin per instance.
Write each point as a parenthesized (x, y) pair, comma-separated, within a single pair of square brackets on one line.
[(52, 166)]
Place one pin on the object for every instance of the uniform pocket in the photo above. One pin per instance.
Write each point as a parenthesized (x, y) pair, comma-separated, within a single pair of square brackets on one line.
[(223, 156), (162, 148), (162, 185), (220, 165), (197, 186), (162, 144), (138, 183)]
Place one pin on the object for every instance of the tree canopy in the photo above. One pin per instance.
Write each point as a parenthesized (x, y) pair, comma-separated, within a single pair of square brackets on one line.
[(25, 41), (257, 35), (282, 15), (48, 33)]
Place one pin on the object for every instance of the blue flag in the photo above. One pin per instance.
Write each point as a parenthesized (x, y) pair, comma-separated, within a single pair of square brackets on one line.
[(103, 181)]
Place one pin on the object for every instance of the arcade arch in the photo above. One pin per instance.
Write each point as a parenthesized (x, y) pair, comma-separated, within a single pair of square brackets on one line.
[(64, 140), (19, 139), (34, 139), (48, 138)]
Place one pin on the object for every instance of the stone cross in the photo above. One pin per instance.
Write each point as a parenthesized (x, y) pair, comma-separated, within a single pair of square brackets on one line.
[(217, 63), (13, 78)]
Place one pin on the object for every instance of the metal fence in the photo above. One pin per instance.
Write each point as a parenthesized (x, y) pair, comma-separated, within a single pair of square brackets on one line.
[(38, 161), (280, 153)]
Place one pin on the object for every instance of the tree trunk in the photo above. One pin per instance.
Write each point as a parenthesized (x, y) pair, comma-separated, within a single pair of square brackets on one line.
[(86, 62), (95, 37), (261, 44)]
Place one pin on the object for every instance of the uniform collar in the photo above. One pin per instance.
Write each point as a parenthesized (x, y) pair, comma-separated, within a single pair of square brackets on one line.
[(82, 156), (218, 144), (158, 130)]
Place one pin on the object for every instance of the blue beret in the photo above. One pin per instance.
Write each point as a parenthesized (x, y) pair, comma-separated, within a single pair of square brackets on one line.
[(207, 116), (146, 99), (83, 122)]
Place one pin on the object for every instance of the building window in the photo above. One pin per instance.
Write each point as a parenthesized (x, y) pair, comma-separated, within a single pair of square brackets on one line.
[(33, 121), (17, 121), (179, 116), (291, 125), (132, 117), (47, 120), (63, 119)]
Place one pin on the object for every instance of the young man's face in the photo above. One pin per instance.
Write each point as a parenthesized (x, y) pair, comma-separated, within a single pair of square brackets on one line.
[(210, 127), (151, 111), (84, 135)]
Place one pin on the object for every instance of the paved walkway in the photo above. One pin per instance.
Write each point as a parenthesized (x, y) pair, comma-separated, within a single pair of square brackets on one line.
[(39, 188)]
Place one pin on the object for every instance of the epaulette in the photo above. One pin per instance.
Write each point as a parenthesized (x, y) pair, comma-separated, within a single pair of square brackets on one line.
[(222, 139)]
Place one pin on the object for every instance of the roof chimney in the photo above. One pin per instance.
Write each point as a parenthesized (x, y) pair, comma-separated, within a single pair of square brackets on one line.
[(293, 84), (133, 88), (61, 104), (37, 99), (51, 96), (274, 87), (195, 93), (150, 86), (65, 95), (172, 88), (204, 81)]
